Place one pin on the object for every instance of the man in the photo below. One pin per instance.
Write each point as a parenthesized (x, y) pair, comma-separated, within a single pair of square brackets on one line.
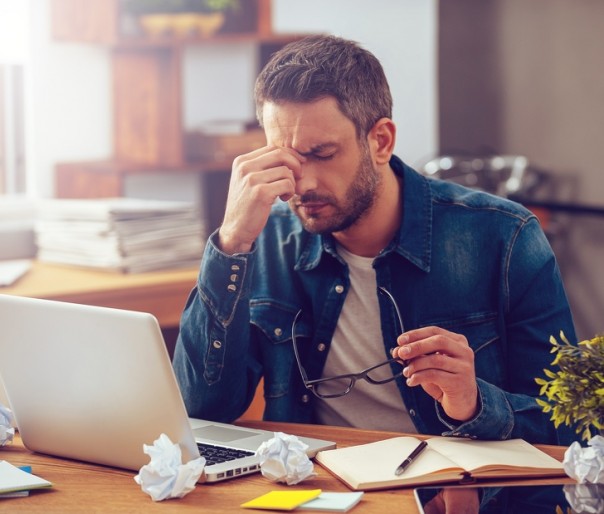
[(313, 288)]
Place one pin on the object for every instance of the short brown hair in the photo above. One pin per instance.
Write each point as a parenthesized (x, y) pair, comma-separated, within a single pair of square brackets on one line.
[(321, 66)]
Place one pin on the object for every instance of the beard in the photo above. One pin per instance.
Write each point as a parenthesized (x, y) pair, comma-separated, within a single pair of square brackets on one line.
[(358, 199)]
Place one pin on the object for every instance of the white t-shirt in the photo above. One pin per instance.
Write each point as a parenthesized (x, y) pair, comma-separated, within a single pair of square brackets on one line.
[(357, 344)]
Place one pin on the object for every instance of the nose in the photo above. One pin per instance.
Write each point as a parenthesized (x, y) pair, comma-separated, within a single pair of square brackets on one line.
[(307, 180)]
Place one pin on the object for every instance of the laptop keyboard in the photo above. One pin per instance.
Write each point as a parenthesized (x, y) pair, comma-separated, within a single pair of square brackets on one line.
[(218, 454)]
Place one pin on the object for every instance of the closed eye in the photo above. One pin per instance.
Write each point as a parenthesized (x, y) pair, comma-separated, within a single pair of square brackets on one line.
[(322, 152), (323, 157)]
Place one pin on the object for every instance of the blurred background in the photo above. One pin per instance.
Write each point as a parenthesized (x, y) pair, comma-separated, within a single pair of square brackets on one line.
[(102, 98)]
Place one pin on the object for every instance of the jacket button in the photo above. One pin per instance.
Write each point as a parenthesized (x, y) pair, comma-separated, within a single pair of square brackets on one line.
[(305, 398), (217, 345), (339, 289), (232, 288), (278, 332), (412, 412), (321, 347), (235, 267), (234, 277)]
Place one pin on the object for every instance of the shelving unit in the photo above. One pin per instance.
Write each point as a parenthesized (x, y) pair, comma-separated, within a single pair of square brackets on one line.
[(148, 134)]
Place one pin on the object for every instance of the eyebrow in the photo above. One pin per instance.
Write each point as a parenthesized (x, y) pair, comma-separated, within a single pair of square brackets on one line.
[(319, 148)]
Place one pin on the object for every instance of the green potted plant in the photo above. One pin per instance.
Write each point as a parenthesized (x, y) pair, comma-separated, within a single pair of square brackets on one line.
[(209, 15), (574, 392), (209, 6), (180, 17)]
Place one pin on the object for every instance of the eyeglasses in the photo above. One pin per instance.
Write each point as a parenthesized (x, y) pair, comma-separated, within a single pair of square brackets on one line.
[(341, 385)]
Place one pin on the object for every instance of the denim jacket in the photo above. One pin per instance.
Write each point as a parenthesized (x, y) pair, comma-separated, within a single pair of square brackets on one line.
[(463, 260)]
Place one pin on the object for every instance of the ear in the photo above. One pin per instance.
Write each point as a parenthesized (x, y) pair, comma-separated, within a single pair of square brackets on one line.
[(381, 139)]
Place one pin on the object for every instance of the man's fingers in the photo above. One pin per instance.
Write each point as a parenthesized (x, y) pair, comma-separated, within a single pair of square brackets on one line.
[(429, 341), (267, 158)]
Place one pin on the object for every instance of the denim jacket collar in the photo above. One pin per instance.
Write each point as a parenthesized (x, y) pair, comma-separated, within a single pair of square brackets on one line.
[(413, 240)]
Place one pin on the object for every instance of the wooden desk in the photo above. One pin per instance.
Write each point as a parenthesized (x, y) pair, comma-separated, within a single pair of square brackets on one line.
[(79, 487), (162, 293)]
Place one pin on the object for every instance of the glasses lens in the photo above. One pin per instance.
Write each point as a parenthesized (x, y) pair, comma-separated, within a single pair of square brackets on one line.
[(334, 387), (384, 373)]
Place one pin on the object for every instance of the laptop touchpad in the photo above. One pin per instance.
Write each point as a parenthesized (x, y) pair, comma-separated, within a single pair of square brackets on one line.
[(222, 434)]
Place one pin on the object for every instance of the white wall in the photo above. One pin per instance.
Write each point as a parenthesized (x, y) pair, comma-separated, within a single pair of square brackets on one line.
[(71, 117), (218, 81)]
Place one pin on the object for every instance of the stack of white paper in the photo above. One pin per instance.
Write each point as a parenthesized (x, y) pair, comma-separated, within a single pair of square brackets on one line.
[(123, 234)]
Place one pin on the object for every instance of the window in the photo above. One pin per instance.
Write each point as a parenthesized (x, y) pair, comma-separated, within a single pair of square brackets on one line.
[(14, 51)]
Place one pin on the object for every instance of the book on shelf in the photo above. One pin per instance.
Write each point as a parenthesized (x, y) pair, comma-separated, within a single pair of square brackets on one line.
[(445, 460), (121, 234)]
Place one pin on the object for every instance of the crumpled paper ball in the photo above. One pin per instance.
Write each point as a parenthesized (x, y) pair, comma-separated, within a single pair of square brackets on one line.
[(586, 465), (283, 459), (7, 431), (166, 476), (585, 498)]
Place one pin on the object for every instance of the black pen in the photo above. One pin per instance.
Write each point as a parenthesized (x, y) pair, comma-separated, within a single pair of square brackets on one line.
[(405, 464)]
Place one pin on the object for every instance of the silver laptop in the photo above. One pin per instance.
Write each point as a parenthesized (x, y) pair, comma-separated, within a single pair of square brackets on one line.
[(95, 384)]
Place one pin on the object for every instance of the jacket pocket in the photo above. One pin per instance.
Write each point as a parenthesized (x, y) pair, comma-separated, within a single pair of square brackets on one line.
[(274, 321)]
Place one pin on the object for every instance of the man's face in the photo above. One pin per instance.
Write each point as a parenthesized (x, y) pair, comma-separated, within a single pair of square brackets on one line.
[(339, 181)]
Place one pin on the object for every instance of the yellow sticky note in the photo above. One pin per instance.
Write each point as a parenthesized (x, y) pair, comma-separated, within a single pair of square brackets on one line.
[(282, 500)]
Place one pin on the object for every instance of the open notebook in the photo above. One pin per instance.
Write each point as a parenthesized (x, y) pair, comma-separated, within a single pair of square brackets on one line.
[(446, 459), (95, 384)]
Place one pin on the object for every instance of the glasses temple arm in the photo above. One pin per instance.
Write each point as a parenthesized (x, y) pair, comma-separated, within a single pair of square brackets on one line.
[(385, 291), (297, 355)]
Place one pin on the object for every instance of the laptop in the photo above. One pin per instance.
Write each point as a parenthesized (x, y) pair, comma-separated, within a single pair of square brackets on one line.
[(95, 384)]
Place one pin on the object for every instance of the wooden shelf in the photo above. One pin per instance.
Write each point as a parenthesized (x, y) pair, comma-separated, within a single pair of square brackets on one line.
[(74, 179), (147, 72), (105, 179), (108, 23), (148, 133), (103, 23), (174, 42)]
